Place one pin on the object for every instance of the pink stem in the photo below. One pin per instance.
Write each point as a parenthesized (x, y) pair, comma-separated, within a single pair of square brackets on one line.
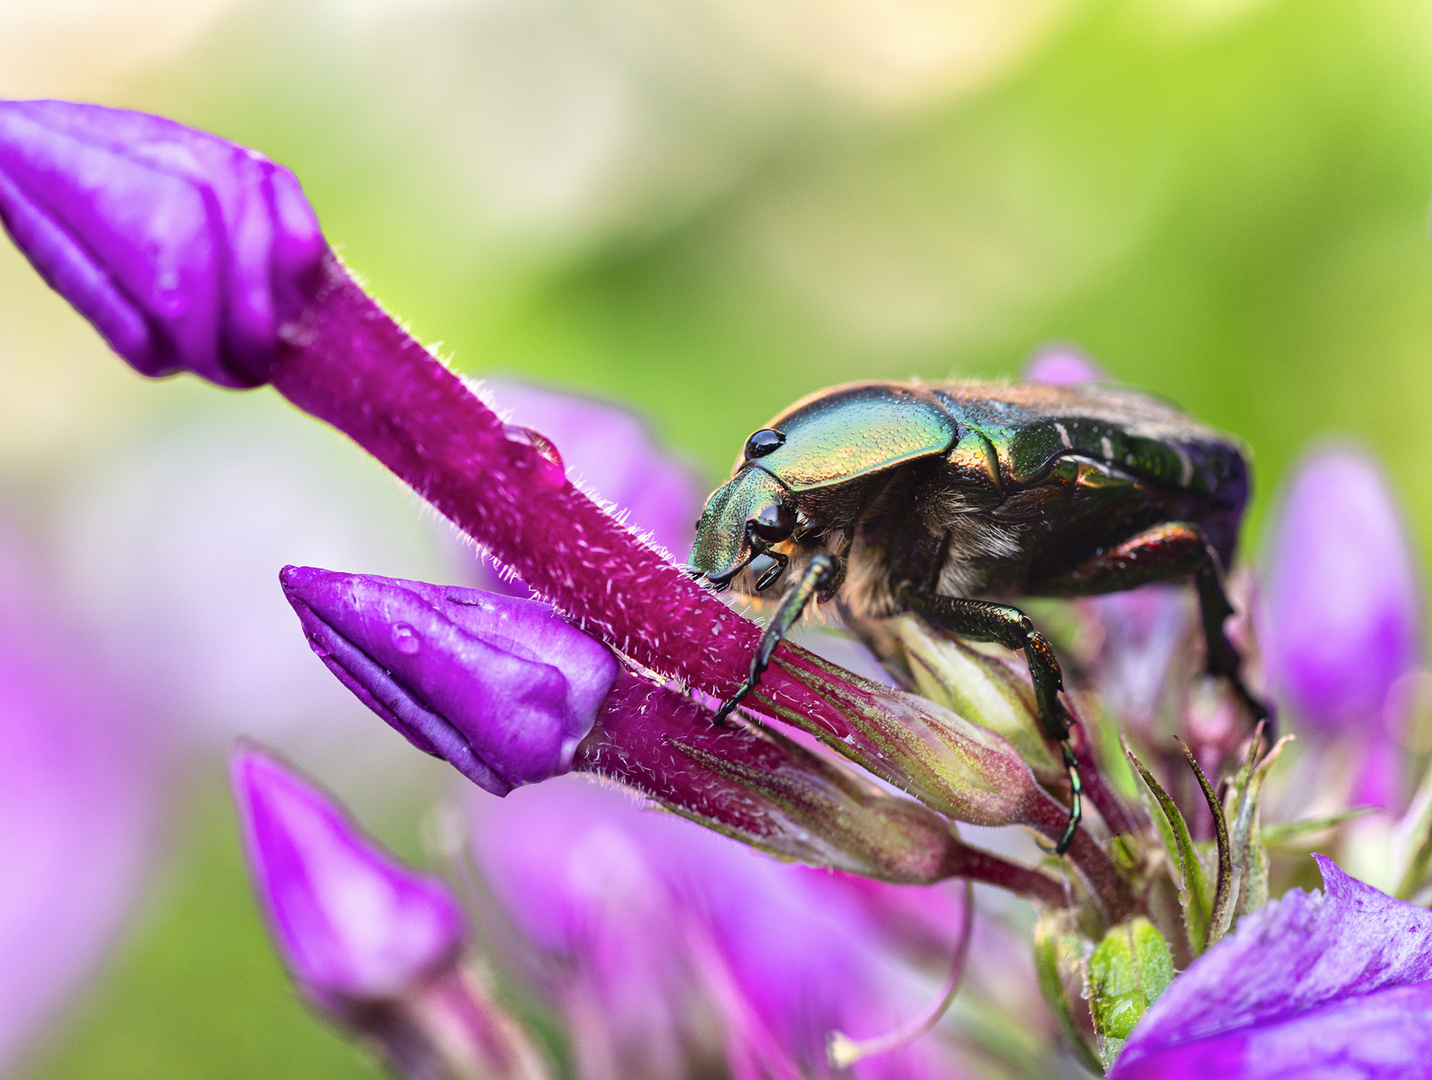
[(768, 791), (348, 363)]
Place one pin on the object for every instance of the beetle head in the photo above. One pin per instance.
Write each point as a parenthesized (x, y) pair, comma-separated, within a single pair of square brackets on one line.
[(744, 518)]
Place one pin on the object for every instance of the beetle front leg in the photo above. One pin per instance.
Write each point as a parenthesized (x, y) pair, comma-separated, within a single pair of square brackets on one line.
[(818, 574), (979, 620)]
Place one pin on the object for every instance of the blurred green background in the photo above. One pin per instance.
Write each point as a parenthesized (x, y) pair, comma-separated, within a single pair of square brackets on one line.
[(706, 208)]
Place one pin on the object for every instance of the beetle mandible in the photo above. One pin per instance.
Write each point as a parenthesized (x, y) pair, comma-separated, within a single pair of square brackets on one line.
[(950, 499)]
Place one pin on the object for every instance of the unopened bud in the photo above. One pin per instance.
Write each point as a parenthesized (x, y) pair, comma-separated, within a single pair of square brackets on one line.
[(503, 689), (1129, 969), (375, 946), (187, 252), (985, 689)]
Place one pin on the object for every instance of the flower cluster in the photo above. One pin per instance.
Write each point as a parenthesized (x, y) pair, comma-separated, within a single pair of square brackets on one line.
[(666, 950)]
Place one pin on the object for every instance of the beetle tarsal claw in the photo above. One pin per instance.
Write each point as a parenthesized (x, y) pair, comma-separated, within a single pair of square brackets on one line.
[(724, 712)]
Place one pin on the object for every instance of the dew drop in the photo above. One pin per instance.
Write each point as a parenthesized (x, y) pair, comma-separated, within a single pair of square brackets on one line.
[(546, 464), (170, 297), (406, 639)]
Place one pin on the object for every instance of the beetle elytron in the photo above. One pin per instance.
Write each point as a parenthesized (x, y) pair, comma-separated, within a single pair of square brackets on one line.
[(945, 499)]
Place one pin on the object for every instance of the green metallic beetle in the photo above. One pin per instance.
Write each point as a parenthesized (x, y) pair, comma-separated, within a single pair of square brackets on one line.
[(948, 499)]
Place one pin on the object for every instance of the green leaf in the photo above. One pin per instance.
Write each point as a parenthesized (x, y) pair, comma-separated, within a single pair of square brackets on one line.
[(1288, 831), (1250, 857), (1222, 916), (1192, 888)]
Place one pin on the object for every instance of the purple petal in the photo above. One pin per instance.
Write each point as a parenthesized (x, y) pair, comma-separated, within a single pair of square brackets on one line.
[(1308, 970), (79, 795), (1343, 600), (661, 920), (1062, 365), (185, 251), (1380, 1036), (352, 924), (503, 688)]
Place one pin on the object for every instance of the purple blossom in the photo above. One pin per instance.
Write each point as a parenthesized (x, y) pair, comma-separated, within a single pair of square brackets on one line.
[(1342, 601), (374, 945), (79, 778), (1342, 609), (187, 252), (352, 924), (665, 931), (1062, 365), (1310, 986)]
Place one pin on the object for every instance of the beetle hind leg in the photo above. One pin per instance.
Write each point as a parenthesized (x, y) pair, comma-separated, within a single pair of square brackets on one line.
[(820, 571), (979, 620), (1171, 550)]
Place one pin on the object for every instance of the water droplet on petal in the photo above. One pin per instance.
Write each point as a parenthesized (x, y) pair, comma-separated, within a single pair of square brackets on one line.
[(406, 639), (547, 468), (169, 296)]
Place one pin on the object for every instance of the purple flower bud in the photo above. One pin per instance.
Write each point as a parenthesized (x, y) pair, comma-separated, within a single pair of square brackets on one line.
[(374, 945), (503, 689), (186, 252), (1342, 603), (1062, 365), (353, 925), (1310, 985), (457, 672)]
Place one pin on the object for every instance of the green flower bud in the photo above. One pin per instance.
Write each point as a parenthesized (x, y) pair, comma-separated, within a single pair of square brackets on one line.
[(984, 689), (1128, 970)]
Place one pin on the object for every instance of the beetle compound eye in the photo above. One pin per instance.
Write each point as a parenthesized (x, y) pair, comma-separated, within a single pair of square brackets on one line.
[(773, 523), (764, 442)]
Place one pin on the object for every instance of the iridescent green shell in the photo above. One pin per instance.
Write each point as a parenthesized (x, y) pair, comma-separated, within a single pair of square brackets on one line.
[(853, 430)]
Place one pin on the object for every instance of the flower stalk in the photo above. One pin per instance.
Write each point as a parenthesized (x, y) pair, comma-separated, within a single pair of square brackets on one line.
[(760, 787), (508, 692), (345, 361)]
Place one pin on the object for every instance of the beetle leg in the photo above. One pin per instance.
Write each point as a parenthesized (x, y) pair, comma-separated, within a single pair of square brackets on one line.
[(979, 620), (1174, 549), (820, 570)]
